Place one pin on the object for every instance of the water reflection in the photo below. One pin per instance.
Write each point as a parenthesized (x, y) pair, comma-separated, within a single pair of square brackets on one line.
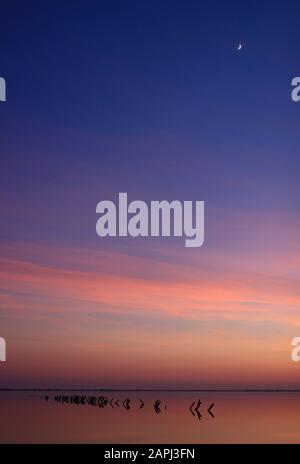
[(103, 401), (149, 417)]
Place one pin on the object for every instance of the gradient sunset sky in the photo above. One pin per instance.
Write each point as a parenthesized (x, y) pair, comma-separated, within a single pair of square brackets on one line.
[(153, 99)]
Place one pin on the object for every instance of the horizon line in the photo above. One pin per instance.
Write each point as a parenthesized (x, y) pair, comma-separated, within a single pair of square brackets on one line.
[(203, 390)]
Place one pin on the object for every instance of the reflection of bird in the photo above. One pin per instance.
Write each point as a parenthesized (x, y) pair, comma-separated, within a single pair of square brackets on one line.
[(195, 409), (142, 403), (157, 406), (126, 403)]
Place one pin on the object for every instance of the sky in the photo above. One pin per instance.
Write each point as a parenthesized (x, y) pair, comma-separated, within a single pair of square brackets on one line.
[(153, 99)]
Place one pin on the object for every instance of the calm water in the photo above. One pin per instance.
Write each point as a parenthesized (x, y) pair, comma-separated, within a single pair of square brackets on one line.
[(149, 417)]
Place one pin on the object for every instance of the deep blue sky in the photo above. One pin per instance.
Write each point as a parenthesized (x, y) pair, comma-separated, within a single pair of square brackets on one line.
[(150, 98)]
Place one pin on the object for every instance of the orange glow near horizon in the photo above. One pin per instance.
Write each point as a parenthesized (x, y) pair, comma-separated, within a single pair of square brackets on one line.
[(106, 318)]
